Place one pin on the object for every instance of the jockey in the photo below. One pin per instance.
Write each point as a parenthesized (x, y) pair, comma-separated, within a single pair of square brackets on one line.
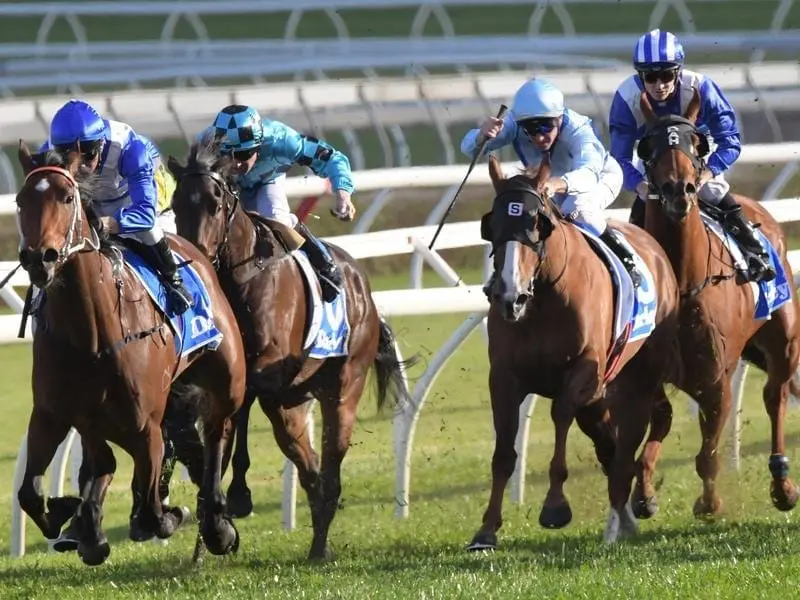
[(658, 60), (585, 177), (131, 185), (262, 153)]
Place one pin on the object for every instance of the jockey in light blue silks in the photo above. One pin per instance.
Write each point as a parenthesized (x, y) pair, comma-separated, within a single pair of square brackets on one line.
[(132, 184), (658, 59), (585, 177), (262, 152)]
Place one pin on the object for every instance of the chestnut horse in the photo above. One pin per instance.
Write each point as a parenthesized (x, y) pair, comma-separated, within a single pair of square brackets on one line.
[(105, 360), (269, 296), (551, 328), (717, 322)]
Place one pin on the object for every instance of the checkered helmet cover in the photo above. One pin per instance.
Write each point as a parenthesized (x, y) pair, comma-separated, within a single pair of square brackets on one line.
[(239, 127)]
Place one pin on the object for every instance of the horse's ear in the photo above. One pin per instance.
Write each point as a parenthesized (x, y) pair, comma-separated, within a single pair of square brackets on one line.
[(693, 110), (647, 109), (175, 167), (26, 160), (496, 173)]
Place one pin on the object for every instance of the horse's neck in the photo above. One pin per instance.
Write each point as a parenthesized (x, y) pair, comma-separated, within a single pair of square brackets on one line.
[(686, 245), (76, 305)]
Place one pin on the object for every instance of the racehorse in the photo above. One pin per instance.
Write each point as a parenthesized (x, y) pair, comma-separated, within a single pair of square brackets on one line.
[(553, 332), (722, 317), (106, 356), (277, 302)]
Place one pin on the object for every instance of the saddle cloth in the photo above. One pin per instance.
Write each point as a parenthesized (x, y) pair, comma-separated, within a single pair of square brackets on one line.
[(328, 331), (193, 329), (768, 295), (635, 309)]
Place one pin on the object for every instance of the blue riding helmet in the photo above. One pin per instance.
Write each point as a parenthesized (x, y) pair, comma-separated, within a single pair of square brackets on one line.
[(76, 122), (239, 127), (536, 99), (658, 51)]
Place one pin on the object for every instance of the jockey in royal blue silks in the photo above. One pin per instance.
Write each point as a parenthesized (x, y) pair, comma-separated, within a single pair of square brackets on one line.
[(658, 59), (262, 152), (131, 185), (585, 177)]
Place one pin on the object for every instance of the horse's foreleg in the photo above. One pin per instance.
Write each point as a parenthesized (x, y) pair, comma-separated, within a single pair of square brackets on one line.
[(783, 491), (45, 433), (713, 414), (93, 547), (643, 500), (506, 397), (217, 529), (240, 503)]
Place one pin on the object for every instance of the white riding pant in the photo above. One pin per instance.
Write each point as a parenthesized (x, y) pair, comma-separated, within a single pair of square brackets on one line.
[(588, 208), (714, 190), (270, 201)]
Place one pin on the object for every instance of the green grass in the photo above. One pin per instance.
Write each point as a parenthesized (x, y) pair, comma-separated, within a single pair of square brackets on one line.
[(751, 552)]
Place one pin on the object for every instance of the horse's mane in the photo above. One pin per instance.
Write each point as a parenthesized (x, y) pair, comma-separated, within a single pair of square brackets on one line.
[(204, 156), (85, 178)]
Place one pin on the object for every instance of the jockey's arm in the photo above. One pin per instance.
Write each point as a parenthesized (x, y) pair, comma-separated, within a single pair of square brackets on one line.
[(470, 143), (624, 133), (136, 166), (322, 158), (587, 162), (720, 118)]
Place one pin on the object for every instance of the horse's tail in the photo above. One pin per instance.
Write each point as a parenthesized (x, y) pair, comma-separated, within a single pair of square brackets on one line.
[(390, 369)]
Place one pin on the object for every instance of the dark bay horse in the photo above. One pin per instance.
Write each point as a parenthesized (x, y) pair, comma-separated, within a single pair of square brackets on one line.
[(269, 296), (551, 329), (717, 322), (105, 360)]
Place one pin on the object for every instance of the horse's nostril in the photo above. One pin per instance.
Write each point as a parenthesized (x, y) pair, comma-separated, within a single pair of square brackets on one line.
[(50, 255)]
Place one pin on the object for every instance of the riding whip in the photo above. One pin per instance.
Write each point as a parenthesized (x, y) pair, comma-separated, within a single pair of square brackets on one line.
[(500, 113)]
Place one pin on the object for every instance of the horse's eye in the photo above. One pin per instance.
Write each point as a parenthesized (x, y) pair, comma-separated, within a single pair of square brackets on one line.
[(69, 199)]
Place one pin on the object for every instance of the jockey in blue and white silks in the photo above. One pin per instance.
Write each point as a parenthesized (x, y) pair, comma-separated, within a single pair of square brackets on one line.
[(262, 152), (585, 177), (131, 186), (658, 59)]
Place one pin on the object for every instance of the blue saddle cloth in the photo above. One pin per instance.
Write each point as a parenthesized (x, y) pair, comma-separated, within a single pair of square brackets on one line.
[(193, 329)]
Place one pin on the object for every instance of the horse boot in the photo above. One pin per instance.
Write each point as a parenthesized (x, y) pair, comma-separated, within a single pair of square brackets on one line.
[(179, 297), (735, 223), (609, 236), (328, 272)]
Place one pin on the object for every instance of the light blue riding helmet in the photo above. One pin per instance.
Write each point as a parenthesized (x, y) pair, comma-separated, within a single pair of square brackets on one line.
[(76, 122), (658, 51), (239, 128), (536, 99)]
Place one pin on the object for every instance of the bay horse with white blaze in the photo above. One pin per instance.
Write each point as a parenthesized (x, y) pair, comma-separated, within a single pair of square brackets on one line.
[(105, 358), (552, 332), (722, 317), (262, 275)]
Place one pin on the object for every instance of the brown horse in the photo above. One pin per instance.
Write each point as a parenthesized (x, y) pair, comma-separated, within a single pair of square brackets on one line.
[(105, 360), (717, 323), (551, 332), (270, 298)]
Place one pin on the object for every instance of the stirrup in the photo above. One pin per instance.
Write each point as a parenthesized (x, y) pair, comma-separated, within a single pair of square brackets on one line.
[(179, 297)]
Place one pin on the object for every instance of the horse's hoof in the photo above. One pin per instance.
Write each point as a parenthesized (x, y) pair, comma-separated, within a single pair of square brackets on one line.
[(172, 519), (239, 501), (783, 499), (555, 517), (94, 555), (483, 541), (68, 540), (645, 508), (705, 510), (137, 533), (326, 555), (224, 538)]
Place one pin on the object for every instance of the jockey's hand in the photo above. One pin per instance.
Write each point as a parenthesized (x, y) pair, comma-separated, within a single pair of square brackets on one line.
[(344, 211), (704, 178), (110, 224), (553, 186), (643, 189), (490, 129)]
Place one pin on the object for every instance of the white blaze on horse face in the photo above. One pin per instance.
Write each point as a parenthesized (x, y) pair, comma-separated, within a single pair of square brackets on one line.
[(43, 185), (511, 274)]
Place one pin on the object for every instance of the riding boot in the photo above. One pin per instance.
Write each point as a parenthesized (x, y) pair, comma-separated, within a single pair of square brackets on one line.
[(328, 272), (758, 267), (637, 212), (180, 299), (609, 236)]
